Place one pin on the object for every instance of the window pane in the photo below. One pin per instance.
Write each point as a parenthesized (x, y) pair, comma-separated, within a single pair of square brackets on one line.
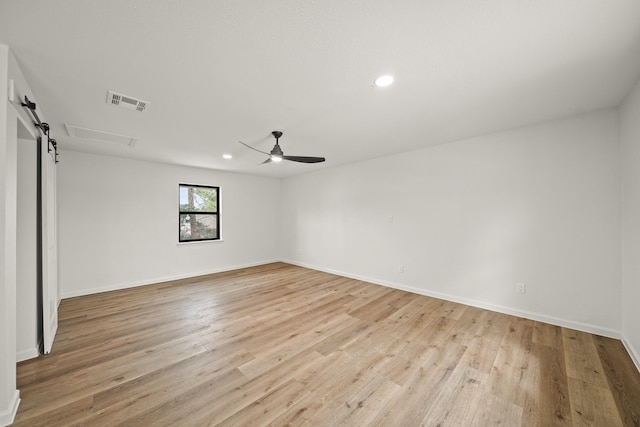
[(198, 199), (198, 226)]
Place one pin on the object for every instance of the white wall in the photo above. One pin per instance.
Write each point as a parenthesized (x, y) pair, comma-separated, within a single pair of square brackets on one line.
[(470, 219), (11, 115), (26, 252), (8, 135), (630, 137), (119, 223)]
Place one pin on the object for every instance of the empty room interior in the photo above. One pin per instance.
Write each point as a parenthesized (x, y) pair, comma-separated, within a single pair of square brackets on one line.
[(320, 213)]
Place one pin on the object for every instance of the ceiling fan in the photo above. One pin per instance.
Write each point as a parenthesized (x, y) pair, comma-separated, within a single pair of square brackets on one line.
[(276, 154)]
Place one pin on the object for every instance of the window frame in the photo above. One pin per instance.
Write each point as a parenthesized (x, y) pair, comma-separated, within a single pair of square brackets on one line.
[(215, 213)]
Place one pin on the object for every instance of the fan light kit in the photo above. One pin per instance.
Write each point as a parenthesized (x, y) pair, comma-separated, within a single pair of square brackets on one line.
[(227, 156), (384, 81), (276, 154)]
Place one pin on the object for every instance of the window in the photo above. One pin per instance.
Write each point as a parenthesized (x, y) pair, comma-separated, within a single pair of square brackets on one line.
[(199, 216)]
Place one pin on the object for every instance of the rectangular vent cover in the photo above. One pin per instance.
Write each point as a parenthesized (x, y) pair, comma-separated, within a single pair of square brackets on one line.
[(100, 136), (127, 102)]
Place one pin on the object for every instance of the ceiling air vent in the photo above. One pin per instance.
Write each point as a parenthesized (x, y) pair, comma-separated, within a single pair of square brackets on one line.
[(100, 136), (127, 102)]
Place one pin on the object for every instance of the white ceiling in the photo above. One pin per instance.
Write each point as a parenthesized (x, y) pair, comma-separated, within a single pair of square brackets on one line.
[(217, 72)]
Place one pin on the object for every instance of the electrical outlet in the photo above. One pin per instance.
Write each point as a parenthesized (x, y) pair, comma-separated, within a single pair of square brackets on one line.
[(521, 288), (401, 269)]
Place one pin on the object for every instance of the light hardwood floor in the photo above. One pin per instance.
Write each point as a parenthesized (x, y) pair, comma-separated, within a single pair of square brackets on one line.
[(283, 345)]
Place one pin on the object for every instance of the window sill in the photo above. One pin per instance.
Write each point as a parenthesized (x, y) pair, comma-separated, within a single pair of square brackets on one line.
[(199, 242)]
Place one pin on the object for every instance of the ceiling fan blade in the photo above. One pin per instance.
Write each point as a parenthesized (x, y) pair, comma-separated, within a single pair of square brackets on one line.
[(304, 159), (255, 149), (276, 153)]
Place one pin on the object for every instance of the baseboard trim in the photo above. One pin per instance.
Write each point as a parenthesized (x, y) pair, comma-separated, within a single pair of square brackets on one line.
[(119, 286), (8, 415), (29, 353), (633, 352), (584, 327)]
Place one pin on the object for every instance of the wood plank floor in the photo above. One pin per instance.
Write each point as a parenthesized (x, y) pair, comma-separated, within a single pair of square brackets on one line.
[(282, 345)]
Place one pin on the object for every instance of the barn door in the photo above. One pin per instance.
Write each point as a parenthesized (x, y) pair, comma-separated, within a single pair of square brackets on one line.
[(49, 246)]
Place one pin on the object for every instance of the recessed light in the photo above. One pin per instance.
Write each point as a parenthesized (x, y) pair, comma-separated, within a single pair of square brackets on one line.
[(227, 156), (384, 81)]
